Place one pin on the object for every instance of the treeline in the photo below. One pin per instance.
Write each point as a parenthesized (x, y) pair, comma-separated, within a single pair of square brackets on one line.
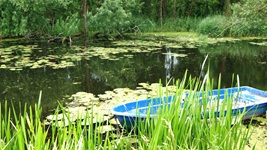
[(67, 18), (185, 8)]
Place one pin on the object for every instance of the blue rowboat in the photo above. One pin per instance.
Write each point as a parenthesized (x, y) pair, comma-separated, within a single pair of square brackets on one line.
[(250, 100)]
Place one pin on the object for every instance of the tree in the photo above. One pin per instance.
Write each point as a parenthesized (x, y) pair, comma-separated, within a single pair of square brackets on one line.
[(161, 14), (30, 18), (249, 18), (114, 16)]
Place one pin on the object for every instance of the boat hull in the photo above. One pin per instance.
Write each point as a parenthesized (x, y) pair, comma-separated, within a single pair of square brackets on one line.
[(251, 101)]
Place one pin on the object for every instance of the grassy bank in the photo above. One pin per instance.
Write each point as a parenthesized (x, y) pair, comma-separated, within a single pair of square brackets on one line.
[(184, 24), (190, 127)]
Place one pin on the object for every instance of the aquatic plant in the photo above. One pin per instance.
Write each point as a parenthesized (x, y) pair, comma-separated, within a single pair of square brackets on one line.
[(182, 127), (175, 127)]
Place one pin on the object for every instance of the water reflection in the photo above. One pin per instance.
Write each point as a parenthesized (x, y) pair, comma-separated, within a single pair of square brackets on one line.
[(171, 62), (243, 59), (99, 75)]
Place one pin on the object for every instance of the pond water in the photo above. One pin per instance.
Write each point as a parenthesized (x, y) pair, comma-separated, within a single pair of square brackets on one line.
[(59, 73)]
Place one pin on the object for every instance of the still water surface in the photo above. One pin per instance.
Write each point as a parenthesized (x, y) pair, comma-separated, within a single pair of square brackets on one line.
[(98, 75)]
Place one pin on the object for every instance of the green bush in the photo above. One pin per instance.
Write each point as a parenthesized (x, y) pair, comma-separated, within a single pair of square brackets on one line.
[(113, 16), (249, 18), (29, 18), (66, 27), (142, 24), (214, 26)]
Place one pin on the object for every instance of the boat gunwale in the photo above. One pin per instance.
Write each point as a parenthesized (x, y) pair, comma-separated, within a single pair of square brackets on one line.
[(169, 100)]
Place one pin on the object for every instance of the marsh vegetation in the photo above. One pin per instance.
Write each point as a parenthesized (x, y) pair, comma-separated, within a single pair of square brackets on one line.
[(76, 98), (180, 127), (89, 55)]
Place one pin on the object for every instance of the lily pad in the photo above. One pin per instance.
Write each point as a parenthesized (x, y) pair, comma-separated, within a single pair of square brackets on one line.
[(175, 54), (105, 129), (94, 120)]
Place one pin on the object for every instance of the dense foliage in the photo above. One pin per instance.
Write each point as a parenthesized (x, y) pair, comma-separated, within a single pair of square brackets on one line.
[(66, 18), (112, 16), (193, 125), (213, 26), (249, 18), (33, 17)]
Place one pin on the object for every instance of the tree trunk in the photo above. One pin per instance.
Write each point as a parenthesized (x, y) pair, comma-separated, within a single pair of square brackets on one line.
[(191, 7), (164, 8), (174, 10), (227, 8), (161, 14), (84, 12), (148, 8)]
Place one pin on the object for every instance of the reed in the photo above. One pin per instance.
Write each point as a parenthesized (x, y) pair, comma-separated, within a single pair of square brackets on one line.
[(193, 126), (184, 24), (28, 131)]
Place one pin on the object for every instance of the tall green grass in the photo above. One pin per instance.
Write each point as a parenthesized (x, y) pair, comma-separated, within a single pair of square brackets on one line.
[(195, 125), (184, 24), (192, 126), (28, 131)]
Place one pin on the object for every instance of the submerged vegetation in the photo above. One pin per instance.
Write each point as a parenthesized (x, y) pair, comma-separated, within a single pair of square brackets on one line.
[(182, 128)]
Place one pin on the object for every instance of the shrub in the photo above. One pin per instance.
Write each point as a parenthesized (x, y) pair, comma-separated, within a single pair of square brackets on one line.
[(249, 18), (66, 27), (214, 26), (113, 16)]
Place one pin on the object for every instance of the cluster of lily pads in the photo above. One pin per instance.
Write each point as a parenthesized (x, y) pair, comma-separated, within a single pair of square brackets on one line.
[(87, 106), (19, 56)]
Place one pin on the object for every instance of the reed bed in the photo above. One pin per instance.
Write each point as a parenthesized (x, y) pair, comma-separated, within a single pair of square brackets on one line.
[(195, 125), (192, 126)]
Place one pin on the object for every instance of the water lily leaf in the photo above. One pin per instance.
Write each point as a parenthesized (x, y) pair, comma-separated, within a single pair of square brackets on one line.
[(105, 128), (62, 123), (55, 117), (175, 54), (76, 110), (89, 120), (3, 66)]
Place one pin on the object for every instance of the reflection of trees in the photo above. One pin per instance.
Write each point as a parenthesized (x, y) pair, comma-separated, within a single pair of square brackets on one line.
[(143, 67), (126, 72), (24, 86), (170, 63), (88, 77), (192, 63), (98, 75), (238, 59)]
